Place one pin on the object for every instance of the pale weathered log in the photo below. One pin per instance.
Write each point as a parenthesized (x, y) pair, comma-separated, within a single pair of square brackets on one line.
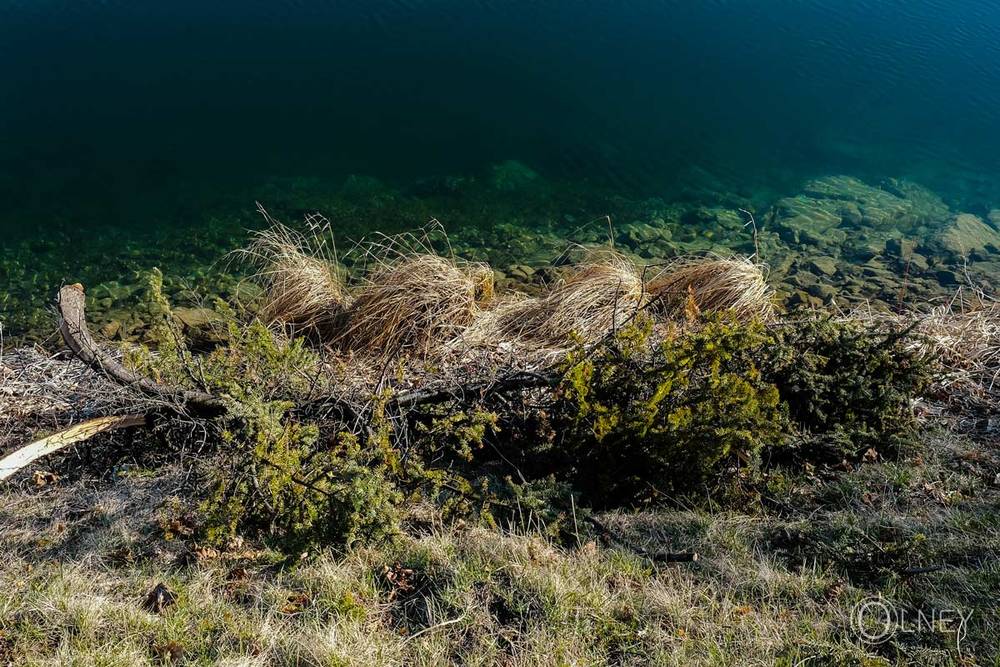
[(28, 454), (73, 327)]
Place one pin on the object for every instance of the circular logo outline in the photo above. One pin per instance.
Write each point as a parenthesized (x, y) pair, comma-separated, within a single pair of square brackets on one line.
[(881, 612)]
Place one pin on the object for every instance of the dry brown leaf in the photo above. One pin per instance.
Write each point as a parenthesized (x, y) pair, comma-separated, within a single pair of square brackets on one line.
[(158, 599)]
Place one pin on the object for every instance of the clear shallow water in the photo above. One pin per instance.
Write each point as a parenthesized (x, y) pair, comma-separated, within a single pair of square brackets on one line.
[(137, 118)]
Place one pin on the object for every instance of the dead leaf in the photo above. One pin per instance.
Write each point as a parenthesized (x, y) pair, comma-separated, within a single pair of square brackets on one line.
[(834, 590), (171, 652), (44, 478), (159, 599), (296, 603), (205, 553), (178, 527), (401, 578)]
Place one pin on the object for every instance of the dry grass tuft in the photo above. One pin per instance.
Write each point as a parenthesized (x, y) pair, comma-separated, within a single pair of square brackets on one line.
[(601, 294), (964, 336), (735, 284), (301, 286), (413, 304)]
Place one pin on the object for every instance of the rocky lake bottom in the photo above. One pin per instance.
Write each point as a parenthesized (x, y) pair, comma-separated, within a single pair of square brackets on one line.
[(836, 241)]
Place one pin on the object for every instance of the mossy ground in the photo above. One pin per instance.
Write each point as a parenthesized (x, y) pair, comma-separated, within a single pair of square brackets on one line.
[(775, 584)]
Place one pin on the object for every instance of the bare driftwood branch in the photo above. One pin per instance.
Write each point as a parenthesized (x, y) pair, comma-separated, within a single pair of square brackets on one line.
[(27, 455), (73, 327)]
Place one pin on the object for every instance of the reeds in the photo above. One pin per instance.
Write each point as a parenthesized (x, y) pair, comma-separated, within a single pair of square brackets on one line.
[(733, 284), (414, 301)]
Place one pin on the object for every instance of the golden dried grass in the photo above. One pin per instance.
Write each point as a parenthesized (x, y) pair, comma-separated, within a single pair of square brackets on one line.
[(302, 286), (415, 303), (600, 294), (964, 337), (735, 284)]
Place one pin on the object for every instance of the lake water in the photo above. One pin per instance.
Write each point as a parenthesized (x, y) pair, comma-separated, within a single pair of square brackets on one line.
[(141, 120)]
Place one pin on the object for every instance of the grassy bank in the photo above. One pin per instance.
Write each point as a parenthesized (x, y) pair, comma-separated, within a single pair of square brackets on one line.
[(775, 583)]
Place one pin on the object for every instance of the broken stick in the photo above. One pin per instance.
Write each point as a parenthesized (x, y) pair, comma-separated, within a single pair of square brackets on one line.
[(28, 454)]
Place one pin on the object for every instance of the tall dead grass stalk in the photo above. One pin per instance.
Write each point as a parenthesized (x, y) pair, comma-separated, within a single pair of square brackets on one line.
[(414, 304)]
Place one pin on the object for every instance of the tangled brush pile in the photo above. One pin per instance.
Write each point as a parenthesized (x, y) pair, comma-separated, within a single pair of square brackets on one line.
[(964, 337)]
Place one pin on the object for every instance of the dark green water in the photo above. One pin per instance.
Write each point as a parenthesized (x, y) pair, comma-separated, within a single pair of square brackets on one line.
[(155, 126)]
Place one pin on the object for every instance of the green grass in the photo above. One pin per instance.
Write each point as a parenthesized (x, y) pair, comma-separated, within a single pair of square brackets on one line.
[(775, 583)]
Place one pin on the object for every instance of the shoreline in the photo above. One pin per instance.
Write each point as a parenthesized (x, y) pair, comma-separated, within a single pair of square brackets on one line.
[(838, 238)]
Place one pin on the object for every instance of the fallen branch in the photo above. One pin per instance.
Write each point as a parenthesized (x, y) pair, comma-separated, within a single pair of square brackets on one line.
[(73, 327), (74, 330), (28, 454), (612, 537)]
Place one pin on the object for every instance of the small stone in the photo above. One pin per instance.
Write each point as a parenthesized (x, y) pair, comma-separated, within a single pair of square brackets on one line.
[(111, 329), (918, 262), (520, 272), (196, 318), (810, 237), (866, 251), (850, 214), (824, 265), (804, 279), (640, 233), (947, 277), (822, 291), (899, 247), (873, 269), (800, 298)]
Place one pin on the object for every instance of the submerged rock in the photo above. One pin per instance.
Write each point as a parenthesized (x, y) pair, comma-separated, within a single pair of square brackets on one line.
[(823, 291), (832, 210), (111, 329), (511, 176), (968, 233), (196, 318), (824, 265)]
